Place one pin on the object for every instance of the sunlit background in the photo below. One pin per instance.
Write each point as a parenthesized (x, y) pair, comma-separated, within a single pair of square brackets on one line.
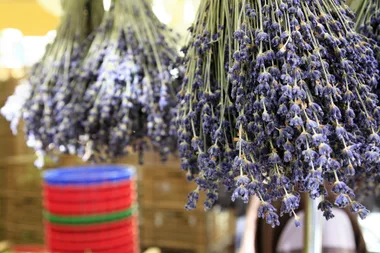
[(26, 26)]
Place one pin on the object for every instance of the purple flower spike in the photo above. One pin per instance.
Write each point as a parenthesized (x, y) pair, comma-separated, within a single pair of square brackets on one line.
[(297, 105)]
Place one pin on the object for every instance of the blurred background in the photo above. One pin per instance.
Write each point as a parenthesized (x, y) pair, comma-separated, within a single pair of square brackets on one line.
[(26, 26)]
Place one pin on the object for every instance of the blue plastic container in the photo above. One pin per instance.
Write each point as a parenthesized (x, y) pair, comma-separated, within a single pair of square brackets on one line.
[(88, 175)]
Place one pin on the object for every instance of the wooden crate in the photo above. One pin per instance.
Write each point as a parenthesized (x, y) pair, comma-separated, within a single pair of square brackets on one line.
[(7, 88), (13, 145), (18, 233), (23, 177), (4, 125), (167, 190), (20, 202), (19, 145), (165, 222), (67, 161), (164, 183), (25, 208), (197, 231), (22, 220), (2, 217), (23, 217)]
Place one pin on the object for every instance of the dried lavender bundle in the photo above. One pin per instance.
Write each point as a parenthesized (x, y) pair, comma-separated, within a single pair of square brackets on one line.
[(368, 23), (50, 78), (126, 89), (278, 99)]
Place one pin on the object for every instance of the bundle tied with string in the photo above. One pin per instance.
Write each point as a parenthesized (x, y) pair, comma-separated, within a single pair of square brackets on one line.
[(44, 93), (278, 99), (125, 90)]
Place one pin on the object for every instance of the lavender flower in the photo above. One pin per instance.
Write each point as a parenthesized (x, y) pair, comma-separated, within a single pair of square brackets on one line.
[(50, 78), (368, 23), (130, 74), (296, 108), (108, 92)]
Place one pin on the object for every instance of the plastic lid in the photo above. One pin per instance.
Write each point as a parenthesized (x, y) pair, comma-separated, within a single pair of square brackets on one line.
[(88, 175)]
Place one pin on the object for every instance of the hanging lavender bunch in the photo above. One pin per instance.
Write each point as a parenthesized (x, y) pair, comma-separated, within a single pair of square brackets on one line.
[(126, 87), (368, 23), (49, 79), (278, 99)]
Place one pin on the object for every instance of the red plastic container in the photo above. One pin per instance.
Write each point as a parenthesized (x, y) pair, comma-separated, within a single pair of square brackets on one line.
[(122, 249), (88, 193), (88, 208), (84, 191), (88, 237), (93, 245), (87, 196), (113, 237), (108, 226)]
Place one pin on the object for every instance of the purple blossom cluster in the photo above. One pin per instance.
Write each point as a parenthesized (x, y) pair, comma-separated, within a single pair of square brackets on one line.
[(368, 23), (278, 99), (125, 89), (50, 78), (104, 89)]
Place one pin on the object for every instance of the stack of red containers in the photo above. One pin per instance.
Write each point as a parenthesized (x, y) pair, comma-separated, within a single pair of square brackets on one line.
[(90, 209)]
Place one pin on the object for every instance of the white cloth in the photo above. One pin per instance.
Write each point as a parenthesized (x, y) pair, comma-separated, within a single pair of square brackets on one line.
[(337, 233)]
